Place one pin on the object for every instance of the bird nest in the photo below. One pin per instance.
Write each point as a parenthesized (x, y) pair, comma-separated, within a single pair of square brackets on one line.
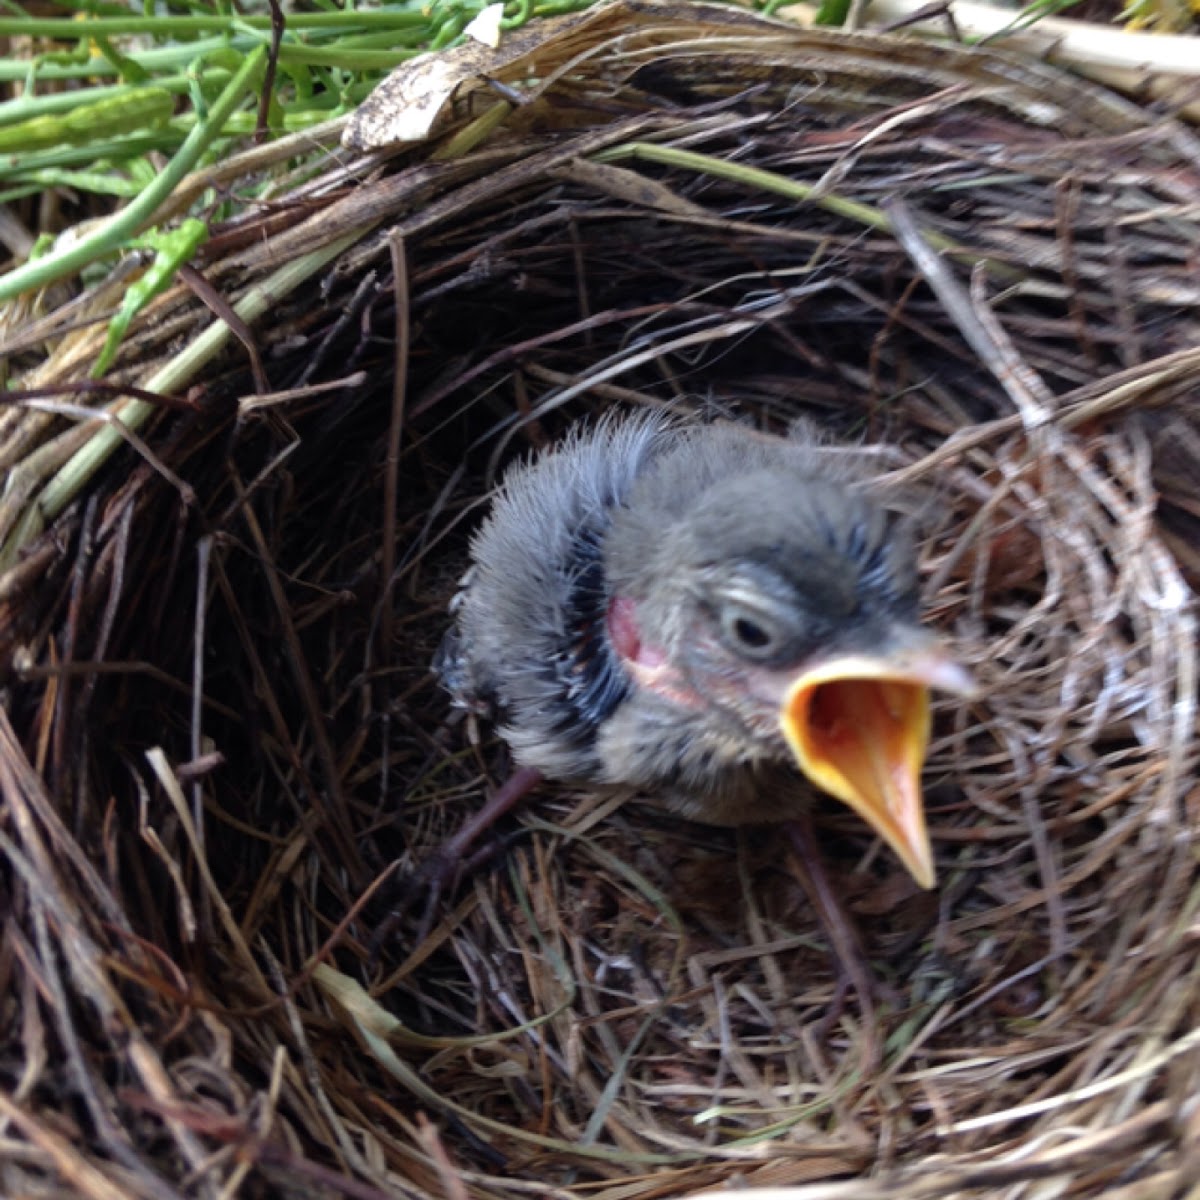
[(224, 750)]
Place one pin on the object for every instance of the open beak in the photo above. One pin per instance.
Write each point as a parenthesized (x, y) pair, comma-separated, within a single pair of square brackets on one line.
[(859, 728)]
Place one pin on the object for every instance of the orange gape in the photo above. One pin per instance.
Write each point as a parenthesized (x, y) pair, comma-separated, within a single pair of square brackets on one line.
[(863, 740)]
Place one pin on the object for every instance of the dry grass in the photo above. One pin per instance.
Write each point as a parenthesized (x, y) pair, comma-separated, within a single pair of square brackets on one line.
[(222, 742)]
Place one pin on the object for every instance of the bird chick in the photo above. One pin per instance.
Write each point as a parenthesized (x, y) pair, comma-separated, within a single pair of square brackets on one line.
[(698, 611)]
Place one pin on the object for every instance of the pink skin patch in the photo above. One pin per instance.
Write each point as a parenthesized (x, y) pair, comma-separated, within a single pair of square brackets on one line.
[(646, 664), (626, 637)]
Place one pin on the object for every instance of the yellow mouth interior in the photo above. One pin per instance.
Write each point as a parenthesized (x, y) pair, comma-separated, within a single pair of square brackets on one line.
[(862, 738)]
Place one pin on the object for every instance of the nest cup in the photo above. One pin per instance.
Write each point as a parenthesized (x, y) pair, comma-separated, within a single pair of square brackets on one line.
[(223, 747)]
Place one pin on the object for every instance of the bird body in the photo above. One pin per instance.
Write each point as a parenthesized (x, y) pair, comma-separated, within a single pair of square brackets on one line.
[(696, 610)]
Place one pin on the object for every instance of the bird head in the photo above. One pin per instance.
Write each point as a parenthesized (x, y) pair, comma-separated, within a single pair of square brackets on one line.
[(782, 610)]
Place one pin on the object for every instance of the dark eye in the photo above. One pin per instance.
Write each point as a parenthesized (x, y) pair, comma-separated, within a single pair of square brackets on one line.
[(749, 633)]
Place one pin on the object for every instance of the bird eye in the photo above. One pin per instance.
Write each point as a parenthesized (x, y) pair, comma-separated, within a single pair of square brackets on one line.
[(749, 633)]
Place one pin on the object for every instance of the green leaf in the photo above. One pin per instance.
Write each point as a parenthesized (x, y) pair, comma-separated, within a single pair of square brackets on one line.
[(132, 110), (171, 249)]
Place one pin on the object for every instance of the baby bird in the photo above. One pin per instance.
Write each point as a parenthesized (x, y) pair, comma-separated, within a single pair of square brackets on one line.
[(715, 616)]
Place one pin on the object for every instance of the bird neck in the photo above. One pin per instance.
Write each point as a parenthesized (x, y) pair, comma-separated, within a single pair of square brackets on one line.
[(590, 671)]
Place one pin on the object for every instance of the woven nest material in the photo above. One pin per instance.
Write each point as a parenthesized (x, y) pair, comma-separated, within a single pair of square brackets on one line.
[(217, 613)]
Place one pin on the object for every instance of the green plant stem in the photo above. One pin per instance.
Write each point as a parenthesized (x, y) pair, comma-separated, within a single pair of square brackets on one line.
[(172, 58), (12, 111), (123, 149), (68, 29), (753, 177), (126, 223), (291, 53)]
